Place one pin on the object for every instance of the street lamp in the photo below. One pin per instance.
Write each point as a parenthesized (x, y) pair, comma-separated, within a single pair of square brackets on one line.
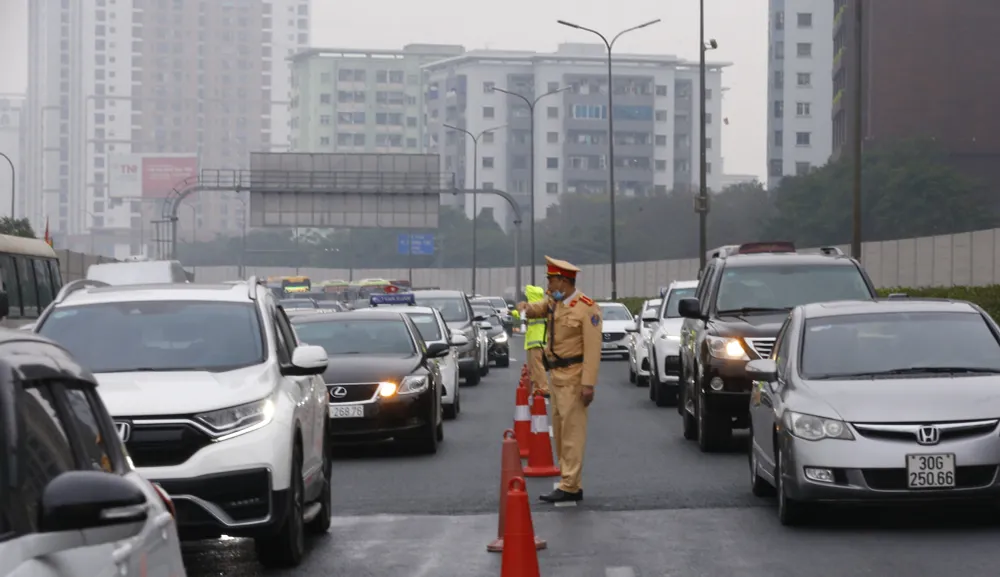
[(702, 205), (475, 186), (531, 110), (12, 182), (611, 140)]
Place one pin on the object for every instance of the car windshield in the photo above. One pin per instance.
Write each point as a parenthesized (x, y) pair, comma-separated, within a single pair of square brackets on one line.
[(898, 343), (159, 335), (298, 304), (675, 296), (480, 310), (498, 303), (787, 286), (496, 325), (453, 309), (615, 313), (358, 336), (428, 326)]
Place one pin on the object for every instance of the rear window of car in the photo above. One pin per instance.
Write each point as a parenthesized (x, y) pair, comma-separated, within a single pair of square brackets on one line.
[(452, 309)]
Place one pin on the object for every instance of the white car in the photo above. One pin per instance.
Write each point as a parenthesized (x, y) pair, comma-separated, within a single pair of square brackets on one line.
[(216, 400), (432, 327), (616, 321), (664, 344), (638, 339)]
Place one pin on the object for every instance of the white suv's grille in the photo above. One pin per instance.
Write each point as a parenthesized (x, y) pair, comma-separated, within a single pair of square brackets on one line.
[(762, 347)]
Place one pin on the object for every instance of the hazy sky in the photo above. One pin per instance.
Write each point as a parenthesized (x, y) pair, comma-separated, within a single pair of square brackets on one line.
[(740, 26)]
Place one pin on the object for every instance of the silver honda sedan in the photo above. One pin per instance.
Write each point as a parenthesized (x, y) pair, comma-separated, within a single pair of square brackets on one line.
[(877, 401)]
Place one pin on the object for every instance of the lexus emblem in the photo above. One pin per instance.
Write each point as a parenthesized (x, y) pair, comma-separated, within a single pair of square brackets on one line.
[(928, 435), (124, 430), (338, 393)]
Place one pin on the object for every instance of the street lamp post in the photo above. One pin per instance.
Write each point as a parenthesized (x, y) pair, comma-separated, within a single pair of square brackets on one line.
[(702, 205), (531, 188), (611, 139), (12, 183), (475, 186), (858, 100)]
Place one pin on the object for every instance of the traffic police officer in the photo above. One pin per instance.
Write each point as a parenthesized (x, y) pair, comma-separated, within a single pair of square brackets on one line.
[(534, 341), (572, 354)]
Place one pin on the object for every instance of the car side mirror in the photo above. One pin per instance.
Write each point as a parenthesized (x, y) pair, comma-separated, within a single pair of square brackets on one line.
[(689, 308), (762, 370), (510, 307), (307, 360), (479, 318), (459, 340), (631, 330), (485, 325), (651, 317), (437, 350), (77, 500)]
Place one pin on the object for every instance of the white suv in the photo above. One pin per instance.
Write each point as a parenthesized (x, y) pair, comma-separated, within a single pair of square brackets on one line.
[(216, 401)]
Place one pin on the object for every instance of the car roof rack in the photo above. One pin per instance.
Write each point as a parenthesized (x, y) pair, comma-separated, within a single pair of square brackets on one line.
[(830, 251), (75, 285)]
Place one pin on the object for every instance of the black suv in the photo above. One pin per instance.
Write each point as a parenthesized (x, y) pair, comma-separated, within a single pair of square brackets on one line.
[(744, 296)]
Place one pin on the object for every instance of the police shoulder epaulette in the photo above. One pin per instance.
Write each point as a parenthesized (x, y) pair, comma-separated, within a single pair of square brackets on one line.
[(572, 303), (586, 300)]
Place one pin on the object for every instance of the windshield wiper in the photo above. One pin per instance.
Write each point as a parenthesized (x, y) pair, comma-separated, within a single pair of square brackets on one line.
[(746, 310), (911, 371)]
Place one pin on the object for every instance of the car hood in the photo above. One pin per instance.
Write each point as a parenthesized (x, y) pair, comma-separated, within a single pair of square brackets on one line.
[(143, 394), (751, 325), (369, 368), (616, 326), (910, 400)]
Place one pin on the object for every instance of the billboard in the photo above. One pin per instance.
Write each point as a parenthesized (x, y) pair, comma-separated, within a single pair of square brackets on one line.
[(346, 190), (148, 175)]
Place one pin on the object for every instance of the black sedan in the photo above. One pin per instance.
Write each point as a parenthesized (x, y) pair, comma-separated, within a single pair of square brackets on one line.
[(499, 351), (382, 381)]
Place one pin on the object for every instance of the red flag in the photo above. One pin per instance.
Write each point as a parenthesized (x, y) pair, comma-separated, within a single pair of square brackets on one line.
[(48, 239)]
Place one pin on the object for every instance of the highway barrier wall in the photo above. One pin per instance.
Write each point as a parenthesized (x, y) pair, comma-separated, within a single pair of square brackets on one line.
[(73, 265), (965, 259)]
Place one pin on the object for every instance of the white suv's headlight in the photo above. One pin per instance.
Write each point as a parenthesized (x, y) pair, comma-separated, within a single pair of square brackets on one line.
[(726, 348), (239, 419), (813, 428)]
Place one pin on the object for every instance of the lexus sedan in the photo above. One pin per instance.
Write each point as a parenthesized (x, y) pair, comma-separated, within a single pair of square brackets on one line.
[(877, 401)]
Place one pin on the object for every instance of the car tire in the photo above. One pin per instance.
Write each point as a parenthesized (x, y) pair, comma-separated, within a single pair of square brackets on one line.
[(287, 547), (439, 432), (759, 486), (451, 411), (425, 440), (714, 432), (504, 361), (689, 420), (321, 524), (473, 378), (791, 513), (631, 374)]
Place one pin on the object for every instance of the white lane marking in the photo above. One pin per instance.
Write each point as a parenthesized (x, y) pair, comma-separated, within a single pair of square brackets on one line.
[(619, 572)]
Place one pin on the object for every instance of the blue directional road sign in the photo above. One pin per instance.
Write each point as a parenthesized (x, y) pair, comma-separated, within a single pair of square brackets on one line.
[(416, 244)]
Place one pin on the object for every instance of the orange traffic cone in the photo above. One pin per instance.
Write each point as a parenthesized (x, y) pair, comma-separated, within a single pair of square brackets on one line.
[(522, 421), (525, 377), (510, 467), (520, 558), (540, 448)]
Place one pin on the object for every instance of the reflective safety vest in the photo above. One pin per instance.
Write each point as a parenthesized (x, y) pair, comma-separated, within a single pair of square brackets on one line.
[(534, 337)]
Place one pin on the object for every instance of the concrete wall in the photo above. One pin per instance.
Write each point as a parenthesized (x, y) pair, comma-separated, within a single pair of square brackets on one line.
[(958, 259), (73, 265)]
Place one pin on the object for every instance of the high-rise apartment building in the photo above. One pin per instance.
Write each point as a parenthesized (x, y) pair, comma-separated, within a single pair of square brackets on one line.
[(111, 78), (656, 123), (924, 74), (348, 100), (799, 88)]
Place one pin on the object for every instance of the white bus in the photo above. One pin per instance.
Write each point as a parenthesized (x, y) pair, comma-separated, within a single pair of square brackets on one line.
[(29, 269)]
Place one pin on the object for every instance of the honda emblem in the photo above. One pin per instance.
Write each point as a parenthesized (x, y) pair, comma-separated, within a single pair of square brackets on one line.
[(339, 392), (124, 430), (928, 435)]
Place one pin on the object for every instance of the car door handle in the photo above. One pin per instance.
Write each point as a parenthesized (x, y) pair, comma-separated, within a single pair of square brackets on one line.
[(162, 520), (122, 554)]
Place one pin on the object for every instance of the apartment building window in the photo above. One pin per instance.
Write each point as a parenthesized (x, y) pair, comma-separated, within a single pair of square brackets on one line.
[(324, 77), (661, 116), (708, 94), (324, 141), (488, 87), (803, 109), (661, 140), (804, 79), (661, 90), (552, 137), (324, 99), (324, 119), (779, 138), (487, 162), (519, 162), (805, 19), (488, 138), (779, 50), (552, 187), (488, 112), (779, 20), (774, 167), (708, 168), (487, 186), (396, 76), (803, 138), (779, 79), (804, 49), (552, 162), (708, 144), (411, 121), (590, 112), (552, 112), (802, 168), (708, 118), (411, 142), (661, 165)]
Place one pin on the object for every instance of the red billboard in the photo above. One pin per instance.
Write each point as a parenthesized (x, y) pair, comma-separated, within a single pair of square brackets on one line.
[(161, 174)]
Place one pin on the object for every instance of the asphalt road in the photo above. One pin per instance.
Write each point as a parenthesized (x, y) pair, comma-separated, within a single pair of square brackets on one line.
[(654, 506)]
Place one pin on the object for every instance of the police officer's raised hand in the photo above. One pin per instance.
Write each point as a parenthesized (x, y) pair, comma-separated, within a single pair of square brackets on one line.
[(587, 394)]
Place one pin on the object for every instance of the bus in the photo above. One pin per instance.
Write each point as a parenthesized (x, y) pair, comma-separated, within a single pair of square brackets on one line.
[(29, 270), (296, 284)]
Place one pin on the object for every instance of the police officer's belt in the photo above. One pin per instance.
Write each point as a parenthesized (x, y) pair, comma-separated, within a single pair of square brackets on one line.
[(561, 363)]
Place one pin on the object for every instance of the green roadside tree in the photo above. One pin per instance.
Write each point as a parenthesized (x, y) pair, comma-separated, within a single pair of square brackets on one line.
[(16, 227)]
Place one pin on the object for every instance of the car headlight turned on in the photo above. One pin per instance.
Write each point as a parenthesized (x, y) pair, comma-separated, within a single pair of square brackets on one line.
[(238, 420), (726, 348), (501, 338), (410, 385), (813, 428)]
